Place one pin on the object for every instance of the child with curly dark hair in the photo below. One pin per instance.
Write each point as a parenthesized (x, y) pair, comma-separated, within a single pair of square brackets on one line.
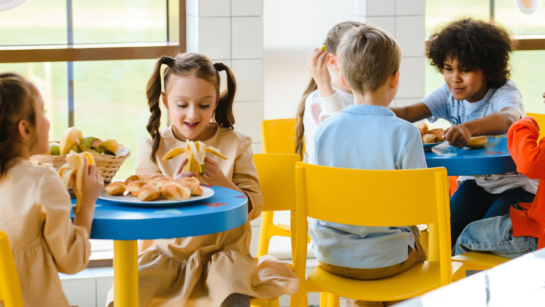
[(478, 98)]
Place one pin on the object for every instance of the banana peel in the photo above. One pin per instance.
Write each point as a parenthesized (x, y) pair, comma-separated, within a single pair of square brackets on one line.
[(195, 152), (74, 169)]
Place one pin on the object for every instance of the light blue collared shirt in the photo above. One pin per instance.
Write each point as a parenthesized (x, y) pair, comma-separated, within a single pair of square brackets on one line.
[(365, 137)]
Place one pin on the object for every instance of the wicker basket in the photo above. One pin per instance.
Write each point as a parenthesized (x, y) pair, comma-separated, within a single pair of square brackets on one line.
[(107, 165)]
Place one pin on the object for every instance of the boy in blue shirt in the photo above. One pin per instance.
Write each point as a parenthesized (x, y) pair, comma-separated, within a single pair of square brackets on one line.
[(368, 135)]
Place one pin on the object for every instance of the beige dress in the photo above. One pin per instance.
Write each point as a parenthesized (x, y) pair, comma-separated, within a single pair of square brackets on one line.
[(204, 270), (35, 210)]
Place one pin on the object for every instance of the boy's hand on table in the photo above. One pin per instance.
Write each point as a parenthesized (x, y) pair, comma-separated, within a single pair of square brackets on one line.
[(179, 173), (317, 66), (458, 136)]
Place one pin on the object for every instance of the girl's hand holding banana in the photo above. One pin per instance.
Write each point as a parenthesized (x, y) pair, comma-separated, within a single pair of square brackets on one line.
[(179, 173), (214, 175)]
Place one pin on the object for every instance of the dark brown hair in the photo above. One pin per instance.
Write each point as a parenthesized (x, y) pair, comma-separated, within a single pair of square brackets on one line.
[(17, 103), (332, 41), (476, 45), (182, 65)]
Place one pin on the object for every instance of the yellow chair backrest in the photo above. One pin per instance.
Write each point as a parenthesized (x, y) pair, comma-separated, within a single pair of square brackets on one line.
[(541, 121), (376, 198), (277, 177), (278, 135), (10, 289)]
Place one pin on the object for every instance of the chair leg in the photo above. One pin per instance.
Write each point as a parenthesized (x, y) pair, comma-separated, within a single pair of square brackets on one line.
[(323, 299), (332, 300), (299, 299), (275, 303), (264, 238)]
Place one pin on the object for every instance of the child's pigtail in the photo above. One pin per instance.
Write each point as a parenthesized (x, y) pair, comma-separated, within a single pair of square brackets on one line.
[(224, 111), (299, 126), (153, 93)]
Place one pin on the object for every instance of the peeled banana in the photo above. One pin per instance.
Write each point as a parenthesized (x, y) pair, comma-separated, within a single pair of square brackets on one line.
[(74, 168), (195, 152)]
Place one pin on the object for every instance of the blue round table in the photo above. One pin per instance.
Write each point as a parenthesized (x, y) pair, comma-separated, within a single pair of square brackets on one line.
[(493, 158), (227, 209)]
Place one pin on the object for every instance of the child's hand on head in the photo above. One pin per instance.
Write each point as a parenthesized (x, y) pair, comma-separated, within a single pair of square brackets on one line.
[(92, 185), (317, 66), (179, 173), (457, 136), (214, 174)]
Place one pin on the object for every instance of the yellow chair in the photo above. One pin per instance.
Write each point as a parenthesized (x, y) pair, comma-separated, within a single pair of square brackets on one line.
[(478, 261), (375, 198), (278, 137), (541, 121), (277, 177), (10, 289)]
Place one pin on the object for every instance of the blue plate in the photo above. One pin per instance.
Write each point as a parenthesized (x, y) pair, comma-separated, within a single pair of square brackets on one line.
[(429, 146)]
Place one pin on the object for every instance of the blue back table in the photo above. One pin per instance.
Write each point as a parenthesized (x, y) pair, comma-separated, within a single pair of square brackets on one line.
[(493, 158), (227, 209)]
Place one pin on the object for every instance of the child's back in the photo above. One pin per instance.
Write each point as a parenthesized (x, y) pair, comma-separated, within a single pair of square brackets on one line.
[(36, 212), (368, 136), (372, 138)]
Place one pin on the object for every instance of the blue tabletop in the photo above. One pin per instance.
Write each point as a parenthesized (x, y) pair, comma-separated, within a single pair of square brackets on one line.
[(227, 209), (493, 158)]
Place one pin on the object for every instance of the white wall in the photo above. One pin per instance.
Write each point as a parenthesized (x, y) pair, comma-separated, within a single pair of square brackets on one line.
[(291, 30)]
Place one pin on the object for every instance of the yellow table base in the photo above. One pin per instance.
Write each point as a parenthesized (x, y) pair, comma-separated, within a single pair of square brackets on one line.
[(125, 274)]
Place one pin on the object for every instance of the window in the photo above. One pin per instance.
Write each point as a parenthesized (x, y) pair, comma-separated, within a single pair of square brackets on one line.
[(526, 62)]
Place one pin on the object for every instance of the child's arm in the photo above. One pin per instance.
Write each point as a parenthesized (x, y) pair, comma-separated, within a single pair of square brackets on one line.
[(529, 156), (330, 102), (68, 243), (91, 188), (412, 113), (492, 124), (244, 178)]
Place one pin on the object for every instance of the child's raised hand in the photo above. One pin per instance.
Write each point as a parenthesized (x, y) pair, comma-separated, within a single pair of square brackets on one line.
[(214, 175), (92, 185), (457, 136), (317, 66), (179, 173)]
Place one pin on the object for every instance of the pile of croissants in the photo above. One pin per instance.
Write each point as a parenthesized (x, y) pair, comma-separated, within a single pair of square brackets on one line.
[(155, 186), (430, 136)]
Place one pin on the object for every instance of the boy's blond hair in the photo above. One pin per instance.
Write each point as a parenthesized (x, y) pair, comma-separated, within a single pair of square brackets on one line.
[(368, 56)]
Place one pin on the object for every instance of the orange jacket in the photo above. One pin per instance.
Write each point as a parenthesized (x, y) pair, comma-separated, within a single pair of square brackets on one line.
[(530, 159)]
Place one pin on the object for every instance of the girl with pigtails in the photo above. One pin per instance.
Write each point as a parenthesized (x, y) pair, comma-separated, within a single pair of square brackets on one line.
[(216, 269), (323, 96)]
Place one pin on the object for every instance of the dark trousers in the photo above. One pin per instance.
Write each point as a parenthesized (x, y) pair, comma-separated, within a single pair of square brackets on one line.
[(472, 203)]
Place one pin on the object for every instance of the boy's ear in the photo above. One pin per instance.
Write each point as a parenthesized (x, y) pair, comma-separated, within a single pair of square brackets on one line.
[(165, 101), (24, 131), (395, 80), (344, 82)]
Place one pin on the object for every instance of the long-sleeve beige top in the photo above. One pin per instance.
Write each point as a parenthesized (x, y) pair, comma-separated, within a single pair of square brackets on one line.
[(35, 214), (204, 270)]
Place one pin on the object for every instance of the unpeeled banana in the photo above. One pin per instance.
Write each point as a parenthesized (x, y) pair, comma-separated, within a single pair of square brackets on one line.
[(74, 169), (195, 152)]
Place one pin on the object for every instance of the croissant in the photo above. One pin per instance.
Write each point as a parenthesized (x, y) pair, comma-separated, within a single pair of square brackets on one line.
[(423, 129), (116, 188), (132, 178), (158, 182), (428, 138), (174, 191), (134, 187), (149, 193), (438, 134)]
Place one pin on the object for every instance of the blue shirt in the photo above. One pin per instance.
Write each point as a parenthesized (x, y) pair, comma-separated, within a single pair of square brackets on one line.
[(365, 137), (442, 104)]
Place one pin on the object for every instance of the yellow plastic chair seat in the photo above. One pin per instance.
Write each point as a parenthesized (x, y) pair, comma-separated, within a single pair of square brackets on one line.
[(416, 281), (479, 260)]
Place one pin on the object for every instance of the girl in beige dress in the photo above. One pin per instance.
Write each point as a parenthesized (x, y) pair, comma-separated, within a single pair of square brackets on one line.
[(216, 269), (34, 204)]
